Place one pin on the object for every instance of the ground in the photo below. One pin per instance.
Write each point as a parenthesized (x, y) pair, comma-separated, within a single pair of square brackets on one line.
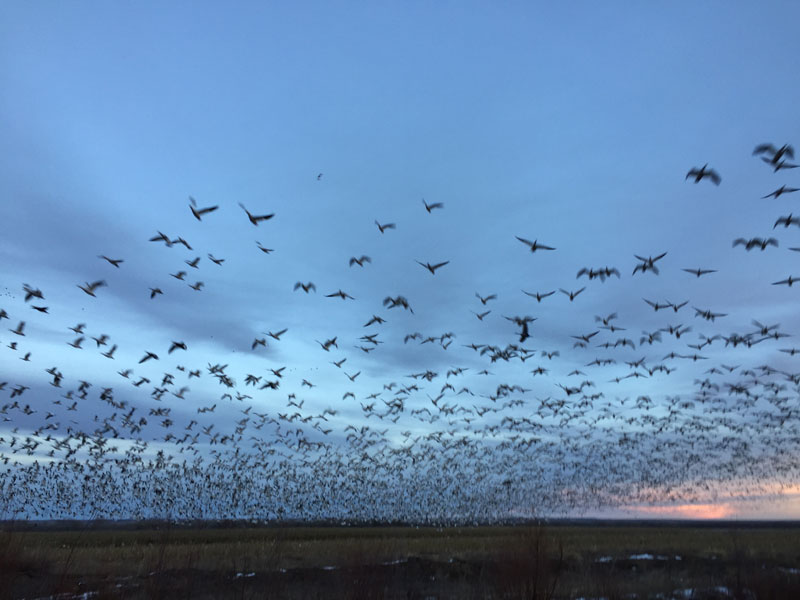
[(552, 560)]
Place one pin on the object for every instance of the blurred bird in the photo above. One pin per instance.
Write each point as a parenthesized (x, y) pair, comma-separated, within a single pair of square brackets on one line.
[(702, 173), (199, 212)]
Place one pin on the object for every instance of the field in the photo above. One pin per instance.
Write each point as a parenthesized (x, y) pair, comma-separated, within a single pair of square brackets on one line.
[(554, 560)]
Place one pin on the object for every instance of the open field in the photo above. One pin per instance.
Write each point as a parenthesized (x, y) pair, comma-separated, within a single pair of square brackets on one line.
[(557, 560)]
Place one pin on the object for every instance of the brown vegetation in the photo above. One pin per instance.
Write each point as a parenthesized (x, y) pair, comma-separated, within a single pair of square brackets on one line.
[(524, 562)]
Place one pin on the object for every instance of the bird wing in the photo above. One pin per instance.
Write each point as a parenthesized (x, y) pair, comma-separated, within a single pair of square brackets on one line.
[(762, 148)]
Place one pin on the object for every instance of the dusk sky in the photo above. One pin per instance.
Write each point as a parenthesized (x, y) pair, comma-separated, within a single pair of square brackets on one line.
[(571, 124)]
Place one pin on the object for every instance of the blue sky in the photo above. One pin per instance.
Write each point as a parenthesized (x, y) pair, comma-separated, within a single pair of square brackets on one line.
[(570, 124)]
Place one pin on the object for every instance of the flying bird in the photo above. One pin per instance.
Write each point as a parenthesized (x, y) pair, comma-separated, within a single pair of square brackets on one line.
[(31, 293), (113, 261), (360, 261), (782, 164), (774, 154), (175, 346), (483, 299), (432, 268), (648, 264), (571, 295), (534, 245), (374, 319), (397, 301), (386, 226), (148, 356), (702, 173), (780, 191), (255, 220), (430, 207), (539, 296), (786, 221), (89, 288), (788, 281), (699, 272), (199, 212), (340, 294)]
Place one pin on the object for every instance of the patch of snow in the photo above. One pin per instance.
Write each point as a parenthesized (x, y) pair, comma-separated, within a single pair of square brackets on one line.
[(67, 596), (238, 575), (789, 570)]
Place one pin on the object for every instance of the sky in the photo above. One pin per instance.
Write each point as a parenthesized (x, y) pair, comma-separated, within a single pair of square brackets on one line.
[(572, 124)]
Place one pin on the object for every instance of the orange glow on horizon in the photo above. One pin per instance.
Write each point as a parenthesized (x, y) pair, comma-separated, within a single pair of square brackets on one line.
[(687, 511)]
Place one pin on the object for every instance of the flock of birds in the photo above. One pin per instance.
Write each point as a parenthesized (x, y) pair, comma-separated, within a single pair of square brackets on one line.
[(456, 445)]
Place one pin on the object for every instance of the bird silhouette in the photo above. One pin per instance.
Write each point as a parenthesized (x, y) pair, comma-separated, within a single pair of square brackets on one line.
[(199, 212), (780, 191), (255, 220), (430, 207), (90, 288), (432, 268), (704, 173), (534, 245), (386, 226)]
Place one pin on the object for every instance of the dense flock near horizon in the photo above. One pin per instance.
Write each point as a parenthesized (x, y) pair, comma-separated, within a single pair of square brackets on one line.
[(534, 425)]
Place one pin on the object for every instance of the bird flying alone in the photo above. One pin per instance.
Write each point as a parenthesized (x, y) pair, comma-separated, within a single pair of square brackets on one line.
[(430, 207), (786, 221), (534, 245), (432, 268), (256, 219), (89, 288), (570, 294), (263, 249), (340, 294), (113, 261), (780, 191), (699, 272), (790, 281), (704, 173), (360, 261), (485, 299), (199, 212), (386, 226), (539, 296)]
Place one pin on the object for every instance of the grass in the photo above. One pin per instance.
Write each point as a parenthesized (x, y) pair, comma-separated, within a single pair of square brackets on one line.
[(557, 561)]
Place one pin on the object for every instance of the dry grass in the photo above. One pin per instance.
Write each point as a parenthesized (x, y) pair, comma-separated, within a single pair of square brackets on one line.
[(488, 562)]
